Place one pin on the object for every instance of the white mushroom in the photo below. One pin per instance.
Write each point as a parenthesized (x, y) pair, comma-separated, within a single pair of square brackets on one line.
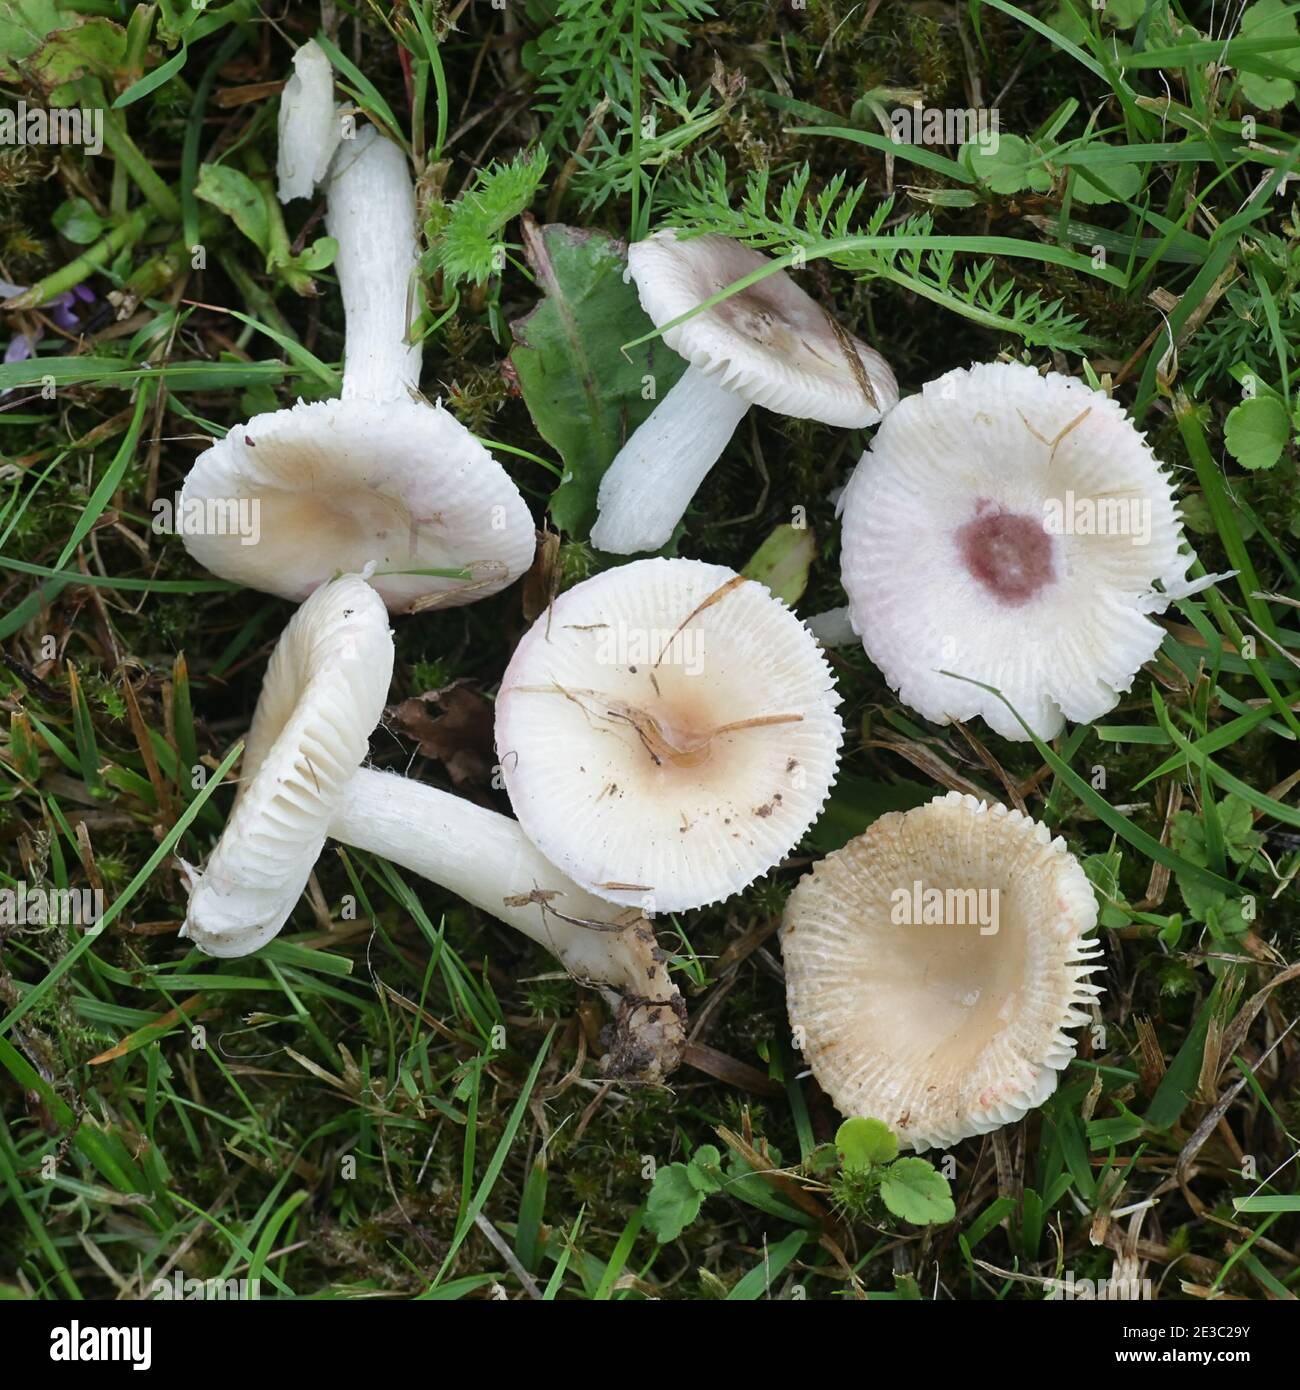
[(302, 779), (768, 344), (933, 965), (324, 692), (308, 126), (1009, 528), (377, 477), (667, 732)]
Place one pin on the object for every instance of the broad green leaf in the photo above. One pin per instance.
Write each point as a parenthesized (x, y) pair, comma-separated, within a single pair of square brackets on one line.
[(23, 24), (1227, 918), (1122, 14), (863, 1143), (584, 393), (1256, 431), (782, 562), (1240, 838), (235, 194), (1008, 165), (705, 1169), (674, 1202), (319, 255), (1269, 19), (1122, 180), (1067, 20), (95, 45), (78, 221), (916, 1191)]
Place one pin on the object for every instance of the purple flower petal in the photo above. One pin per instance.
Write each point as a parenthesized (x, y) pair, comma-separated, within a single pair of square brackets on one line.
[(20, 348), (61, 309)]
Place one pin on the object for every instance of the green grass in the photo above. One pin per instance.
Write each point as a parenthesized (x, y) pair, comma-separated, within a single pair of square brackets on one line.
[(398, 1096)]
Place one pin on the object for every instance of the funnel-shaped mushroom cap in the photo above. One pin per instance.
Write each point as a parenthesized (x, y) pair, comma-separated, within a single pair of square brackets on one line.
[(1008, 527), (324, 693), (933, 965), (340, 485), (770, 344), (667, 732)]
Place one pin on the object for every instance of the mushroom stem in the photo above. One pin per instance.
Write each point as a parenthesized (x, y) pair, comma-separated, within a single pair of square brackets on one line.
[(308, 125), (371, 214), (646, 490), (487, 860)]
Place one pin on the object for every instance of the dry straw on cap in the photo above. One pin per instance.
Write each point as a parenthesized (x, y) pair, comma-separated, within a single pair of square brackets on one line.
[(1010, 528), (302, 779), (933, 965), (667, 733), (769, 344), (377, 477)]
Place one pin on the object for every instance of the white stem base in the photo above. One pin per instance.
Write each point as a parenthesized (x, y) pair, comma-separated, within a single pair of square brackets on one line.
[(646, 490), (487, 860)]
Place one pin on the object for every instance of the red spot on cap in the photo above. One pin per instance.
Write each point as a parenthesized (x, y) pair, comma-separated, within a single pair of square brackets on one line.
[(1009, 553)]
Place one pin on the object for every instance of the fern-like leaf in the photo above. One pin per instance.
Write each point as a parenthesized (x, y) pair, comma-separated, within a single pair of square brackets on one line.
[(794, 217)]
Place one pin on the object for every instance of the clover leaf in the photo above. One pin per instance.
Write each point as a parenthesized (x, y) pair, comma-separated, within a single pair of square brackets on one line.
[(915, 1190), (1257, 431), (863, 1143)]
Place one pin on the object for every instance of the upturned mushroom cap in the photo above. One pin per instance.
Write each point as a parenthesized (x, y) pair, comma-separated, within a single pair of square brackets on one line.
[(933, 965), (770, 344), (965, 548), (324, 693), (667, 732), (344, 484)]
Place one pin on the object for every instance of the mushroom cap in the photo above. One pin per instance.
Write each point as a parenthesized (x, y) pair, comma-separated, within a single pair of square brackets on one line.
[(971, 545), (344, 484), (941, 1028), (769, 344), (667, 732), (324, 693)]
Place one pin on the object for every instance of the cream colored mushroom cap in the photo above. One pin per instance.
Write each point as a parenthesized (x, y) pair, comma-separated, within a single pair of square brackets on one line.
[(770, 344), (941, 1028), (340, 485), (1008, 528), (667, 733), (323, 695)]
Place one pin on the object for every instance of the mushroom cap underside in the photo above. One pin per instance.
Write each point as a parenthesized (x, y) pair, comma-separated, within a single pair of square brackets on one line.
[(339, 485), (933, 965)]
